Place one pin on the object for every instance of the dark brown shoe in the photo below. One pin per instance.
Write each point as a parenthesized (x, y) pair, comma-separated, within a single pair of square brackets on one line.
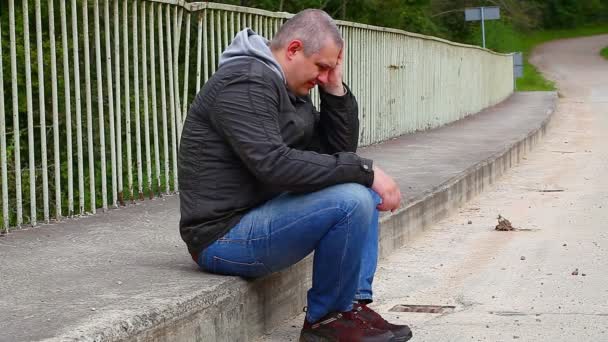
[(402, 332), (343, 327)]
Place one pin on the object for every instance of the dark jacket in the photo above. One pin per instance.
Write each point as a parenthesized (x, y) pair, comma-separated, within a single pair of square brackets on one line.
[(246, 139)]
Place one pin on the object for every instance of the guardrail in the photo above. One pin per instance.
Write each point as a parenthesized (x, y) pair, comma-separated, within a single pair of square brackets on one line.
[(94, 93)]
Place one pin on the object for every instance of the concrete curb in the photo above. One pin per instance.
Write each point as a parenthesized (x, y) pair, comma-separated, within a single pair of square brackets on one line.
[(241, 310)]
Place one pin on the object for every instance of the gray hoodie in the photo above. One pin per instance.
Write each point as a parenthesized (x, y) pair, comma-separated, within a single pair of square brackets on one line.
[(248, 44)]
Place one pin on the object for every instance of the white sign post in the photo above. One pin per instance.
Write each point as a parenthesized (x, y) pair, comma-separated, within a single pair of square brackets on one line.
[(482, 14), (518, 67)]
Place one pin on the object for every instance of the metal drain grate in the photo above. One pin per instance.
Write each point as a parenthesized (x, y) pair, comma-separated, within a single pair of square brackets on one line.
[(436, 309)]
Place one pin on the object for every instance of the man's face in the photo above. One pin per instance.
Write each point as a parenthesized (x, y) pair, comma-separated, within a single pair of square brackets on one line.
[(304, 72)]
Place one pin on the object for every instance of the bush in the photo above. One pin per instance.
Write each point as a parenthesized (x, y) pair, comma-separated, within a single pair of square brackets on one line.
[(500, 37)]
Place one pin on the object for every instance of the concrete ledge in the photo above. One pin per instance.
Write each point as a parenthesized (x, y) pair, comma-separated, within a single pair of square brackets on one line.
[(169, 300)]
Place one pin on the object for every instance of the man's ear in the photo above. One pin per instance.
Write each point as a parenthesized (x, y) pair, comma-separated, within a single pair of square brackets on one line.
[(293, 48)]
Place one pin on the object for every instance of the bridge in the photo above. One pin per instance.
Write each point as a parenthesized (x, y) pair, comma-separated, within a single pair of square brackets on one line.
[(91, 249)]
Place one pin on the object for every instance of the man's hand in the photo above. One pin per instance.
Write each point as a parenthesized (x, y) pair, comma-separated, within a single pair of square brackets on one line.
[(388, 190), (334, 79)]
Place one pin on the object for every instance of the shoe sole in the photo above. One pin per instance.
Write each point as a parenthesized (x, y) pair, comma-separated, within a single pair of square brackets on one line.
[(308, 337), (402, 338), (304, 337)]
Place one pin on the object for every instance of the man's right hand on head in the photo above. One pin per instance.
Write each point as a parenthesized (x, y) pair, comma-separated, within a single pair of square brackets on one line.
[(387, 189)]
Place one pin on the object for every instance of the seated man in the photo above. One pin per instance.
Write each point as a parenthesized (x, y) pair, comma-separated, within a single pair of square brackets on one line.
[(265, 179)]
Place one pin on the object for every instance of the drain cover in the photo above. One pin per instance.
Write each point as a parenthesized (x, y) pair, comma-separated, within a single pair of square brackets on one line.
[(437, 309)]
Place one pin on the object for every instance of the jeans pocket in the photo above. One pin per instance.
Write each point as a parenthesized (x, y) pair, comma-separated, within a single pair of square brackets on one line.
[(246, 270)]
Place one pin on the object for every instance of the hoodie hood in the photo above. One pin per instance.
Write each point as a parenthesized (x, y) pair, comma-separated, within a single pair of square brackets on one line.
[(248, 44)]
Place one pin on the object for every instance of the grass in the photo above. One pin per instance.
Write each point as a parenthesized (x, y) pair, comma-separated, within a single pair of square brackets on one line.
[(604, 52), (534, 80)]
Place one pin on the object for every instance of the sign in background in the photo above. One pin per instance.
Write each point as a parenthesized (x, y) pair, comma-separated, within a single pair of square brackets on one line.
[(482, 14)]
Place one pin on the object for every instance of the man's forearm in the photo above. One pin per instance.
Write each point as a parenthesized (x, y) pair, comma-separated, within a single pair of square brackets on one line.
[(339, 123)]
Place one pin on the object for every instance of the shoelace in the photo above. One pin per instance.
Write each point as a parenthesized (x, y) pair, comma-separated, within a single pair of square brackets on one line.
[(363, 307), (360, 321)]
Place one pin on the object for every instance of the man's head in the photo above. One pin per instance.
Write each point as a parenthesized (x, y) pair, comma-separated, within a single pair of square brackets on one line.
[(307, 47)]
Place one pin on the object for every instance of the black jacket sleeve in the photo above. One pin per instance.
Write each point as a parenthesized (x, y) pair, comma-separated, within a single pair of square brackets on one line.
[(338, 129), (246, 114)]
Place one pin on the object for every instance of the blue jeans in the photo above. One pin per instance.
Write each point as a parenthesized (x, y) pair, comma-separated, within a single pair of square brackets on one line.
[(338, 223)]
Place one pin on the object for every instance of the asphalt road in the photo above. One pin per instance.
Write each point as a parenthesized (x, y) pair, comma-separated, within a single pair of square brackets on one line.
[(547, 281)]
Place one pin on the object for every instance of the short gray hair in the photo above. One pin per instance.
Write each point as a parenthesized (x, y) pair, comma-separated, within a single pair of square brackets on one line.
[(312, 27)]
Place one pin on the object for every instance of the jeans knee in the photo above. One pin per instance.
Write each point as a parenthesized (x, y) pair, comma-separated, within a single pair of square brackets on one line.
[(359, 199)]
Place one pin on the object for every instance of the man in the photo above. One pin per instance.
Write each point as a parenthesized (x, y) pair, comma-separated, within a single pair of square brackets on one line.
[(265, 179)]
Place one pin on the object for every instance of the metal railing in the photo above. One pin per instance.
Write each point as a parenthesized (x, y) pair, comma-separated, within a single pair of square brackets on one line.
[(98, 105)]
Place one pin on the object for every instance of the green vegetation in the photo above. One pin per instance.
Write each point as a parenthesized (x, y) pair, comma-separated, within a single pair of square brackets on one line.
[(533, 80), (604, 52)]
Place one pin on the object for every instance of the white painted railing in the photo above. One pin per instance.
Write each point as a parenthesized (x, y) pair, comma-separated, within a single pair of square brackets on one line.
[(94, 93)]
